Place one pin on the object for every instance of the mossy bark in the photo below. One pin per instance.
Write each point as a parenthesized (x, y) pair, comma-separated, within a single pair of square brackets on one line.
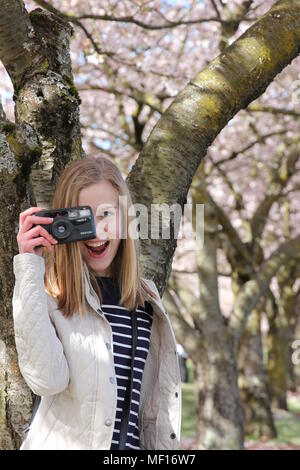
[(277, 361), (253, 386), (282, 317), (44, 138)]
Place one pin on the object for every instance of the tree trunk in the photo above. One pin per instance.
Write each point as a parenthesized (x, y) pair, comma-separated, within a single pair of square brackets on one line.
[(276, 365), (199, 325), (253, 382), (296, 362), (218, 407), (15, 396), (287, 277), (45, 137), (282, 321)]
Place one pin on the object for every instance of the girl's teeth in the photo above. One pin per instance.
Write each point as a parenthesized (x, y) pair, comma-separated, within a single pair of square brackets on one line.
[(96, 245), (98, 249)]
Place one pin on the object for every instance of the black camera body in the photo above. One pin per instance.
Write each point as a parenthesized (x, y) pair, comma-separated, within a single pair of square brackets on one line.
[(70, 224)]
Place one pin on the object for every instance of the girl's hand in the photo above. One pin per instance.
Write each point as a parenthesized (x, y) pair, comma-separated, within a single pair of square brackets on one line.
[(25, 238)]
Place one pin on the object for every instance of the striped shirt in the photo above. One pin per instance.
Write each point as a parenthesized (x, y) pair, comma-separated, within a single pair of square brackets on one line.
[(120, 321)]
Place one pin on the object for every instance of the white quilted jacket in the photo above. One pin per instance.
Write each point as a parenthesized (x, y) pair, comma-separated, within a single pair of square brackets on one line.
[(69, 362)]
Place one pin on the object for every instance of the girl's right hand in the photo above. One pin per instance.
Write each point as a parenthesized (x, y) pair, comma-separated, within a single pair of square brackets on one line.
[(26, 236)]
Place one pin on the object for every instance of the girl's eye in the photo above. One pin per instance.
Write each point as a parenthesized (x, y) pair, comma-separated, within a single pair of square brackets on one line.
[(105, 212)]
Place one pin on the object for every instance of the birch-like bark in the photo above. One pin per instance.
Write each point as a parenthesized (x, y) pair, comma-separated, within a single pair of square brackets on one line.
[(44, 138)]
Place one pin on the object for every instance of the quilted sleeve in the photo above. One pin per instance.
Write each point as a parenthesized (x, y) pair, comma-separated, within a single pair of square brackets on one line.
[(40, 352)]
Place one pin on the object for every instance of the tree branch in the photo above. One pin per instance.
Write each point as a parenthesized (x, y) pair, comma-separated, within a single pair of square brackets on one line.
[(17, 47), (251, 292), (258, 108), (125, 19), (279, 180)]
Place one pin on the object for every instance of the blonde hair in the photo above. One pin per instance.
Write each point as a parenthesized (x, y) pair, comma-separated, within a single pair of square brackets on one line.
[(64, 273)]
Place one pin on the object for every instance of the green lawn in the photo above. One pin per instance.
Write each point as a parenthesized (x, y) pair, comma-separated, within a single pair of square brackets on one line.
[(188, 428), (287, 424)]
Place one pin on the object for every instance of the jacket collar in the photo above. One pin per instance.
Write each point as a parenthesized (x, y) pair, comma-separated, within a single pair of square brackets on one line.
[(94, 302)]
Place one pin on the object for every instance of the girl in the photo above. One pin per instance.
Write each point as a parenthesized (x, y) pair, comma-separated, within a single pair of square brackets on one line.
[(72, 307)]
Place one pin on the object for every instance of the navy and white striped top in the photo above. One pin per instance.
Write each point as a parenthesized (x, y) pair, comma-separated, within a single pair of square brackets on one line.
[(120, 321)]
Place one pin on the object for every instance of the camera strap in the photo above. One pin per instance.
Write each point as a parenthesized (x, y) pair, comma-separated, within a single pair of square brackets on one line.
[(128, 392)]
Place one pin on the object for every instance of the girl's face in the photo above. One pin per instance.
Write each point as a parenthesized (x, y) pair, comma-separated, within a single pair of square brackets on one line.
[(104, 201)]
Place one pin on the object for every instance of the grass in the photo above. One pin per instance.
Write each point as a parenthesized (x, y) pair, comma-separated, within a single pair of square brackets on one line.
[(287, 423), (288, 429), (188, 428), (294, 406)]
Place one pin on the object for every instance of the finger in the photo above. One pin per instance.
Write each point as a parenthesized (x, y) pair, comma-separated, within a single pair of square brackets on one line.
[(36, 222), (34, 219), (36, 242), (48, 236), (24, 214), (39, 241), (38, 230)]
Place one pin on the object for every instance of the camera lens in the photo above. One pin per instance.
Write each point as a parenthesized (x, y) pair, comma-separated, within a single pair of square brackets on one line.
[(61, 230)]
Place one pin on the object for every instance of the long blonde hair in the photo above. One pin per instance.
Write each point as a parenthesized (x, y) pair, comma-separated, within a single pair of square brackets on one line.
[(64, 273)]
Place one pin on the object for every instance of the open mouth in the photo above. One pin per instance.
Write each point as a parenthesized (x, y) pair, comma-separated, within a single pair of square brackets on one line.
[(99, 251)]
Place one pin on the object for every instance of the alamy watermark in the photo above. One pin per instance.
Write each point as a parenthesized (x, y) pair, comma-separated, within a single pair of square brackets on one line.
[(296, 353), (296, 92), (164, 221)]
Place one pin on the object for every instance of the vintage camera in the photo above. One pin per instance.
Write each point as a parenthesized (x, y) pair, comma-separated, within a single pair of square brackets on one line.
[(70, 224)]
